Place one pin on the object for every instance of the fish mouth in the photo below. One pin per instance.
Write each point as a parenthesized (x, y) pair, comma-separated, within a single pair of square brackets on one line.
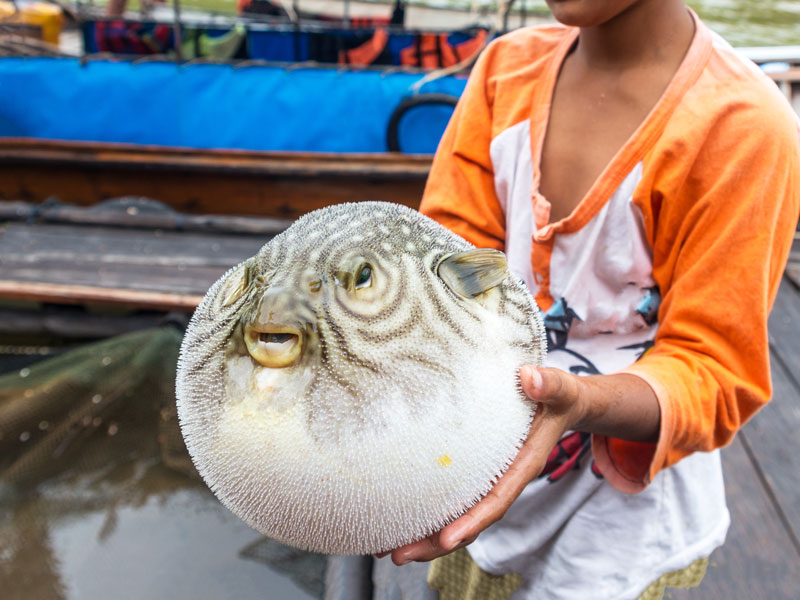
[(272, 345)]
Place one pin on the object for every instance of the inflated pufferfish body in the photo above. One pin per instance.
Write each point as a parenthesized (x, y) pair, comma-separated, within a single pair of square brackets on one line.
[(354, 386)]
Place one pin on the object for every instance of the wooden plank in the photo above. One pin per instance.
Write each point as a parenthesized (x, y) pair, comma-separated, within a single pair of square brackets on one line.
[(282, 185), (793, 268), (761, 557), (136, 212), (203, 193), (772, 437), (83, 294), (793, 272), (29, 244), (758, 559), (784, 324), (19, 239), (138, 157), (141, 278), (159, 270), (790, 75)]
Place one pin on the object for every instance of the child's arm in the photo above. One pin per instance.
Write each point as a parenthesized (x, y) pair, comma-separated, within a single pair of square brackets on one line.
[(721, 227)]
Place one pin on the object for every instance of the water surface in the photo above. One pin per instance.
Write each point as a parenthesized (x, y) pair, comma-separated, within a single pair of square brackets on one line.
[(752, 22)]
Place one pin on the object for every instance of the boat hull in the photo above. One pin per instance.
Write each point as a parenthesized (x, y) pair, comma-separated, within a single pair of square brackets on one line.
[(194, 181)]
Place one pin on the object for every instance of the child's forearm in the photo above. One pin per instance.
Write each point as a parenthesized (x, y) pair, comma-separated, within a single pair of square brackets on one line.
[(621, 406)]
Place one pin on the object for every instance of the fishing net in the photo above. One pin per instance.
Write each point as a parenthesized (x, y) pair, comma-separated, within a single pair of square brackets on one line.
[(93, 471), (89, 406)]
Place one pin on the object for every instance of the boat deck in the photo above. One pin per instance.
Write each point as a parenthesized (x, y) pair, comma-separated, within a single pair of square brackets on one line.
[(761, 557), (59, 262)]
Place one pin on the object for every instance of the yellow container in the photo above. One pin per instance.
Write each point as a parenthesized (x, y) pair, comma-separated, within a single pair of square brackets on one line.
[(48, 18)]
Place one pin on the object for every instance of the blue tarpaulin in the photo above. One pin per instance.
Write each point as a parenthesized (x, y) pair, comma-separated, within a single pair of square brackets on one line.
[(216, 106)]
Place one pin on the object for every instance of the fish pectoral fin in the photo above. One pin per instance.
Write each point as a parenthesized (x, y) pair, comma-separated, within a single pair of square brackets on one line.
[(236, 283), (474, 272)]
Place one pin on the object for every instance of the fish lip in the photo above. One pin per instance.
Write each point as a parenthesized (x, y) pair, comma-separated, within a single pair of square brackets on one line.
[(274, 354)]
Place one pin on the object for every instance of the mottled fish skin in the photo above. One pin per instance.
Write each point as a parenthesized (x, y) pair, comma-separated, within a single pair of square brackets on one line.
[(404, 407)]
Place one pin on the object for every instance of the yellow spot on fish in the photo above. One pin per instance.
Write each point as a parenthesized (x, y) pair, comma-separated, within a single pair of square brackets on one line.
[(444, 460)]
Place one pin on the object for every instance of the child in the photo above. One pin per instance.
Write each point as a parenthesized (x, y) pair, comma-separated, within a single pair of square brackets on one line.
[(643, 181)]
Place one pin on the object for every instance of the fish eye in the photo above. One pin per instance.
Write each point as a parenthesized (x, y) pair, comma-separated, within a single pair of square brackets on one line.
[(364, 277)]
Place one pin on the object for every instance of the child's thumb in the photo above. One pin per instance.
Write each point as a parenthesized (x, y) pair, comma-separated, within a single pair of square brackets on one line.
[(545, 385)]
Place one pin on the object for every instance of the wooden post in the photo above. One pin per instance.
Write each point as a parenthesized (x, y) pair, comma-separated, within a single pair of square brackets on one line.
[(115, 8), (506, 8), (176, 28)]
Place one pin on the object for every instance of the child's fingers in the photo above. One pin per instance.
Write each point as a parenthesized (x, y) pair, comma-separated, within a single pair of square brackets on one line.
[(528, 464), (428, 549), (422, 550)]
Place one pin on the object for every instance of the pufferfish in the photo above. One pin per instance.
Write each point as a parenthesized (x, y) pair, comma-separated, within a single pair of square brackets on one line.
[(354, 386)]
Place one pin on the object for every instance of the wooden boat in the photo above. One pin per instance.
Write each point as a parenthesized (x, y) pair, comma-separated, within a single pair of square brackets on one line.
[(256, 139)]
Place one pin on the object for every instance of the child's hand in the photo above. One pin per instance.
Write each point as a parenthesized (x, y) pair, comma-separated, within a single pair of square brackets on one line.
[(560, 407), (619, 405)]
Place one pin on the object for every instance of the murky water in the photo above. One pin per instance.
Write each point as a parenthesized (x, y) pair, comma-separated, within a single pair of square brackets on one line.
[(99, 499), (151, 534), (741, 22), (752, 22)]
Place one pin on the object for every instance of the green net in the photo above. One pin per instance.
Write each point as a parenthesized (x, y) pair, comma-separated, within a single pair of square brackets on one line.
[(99, 498), (88, 407)]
